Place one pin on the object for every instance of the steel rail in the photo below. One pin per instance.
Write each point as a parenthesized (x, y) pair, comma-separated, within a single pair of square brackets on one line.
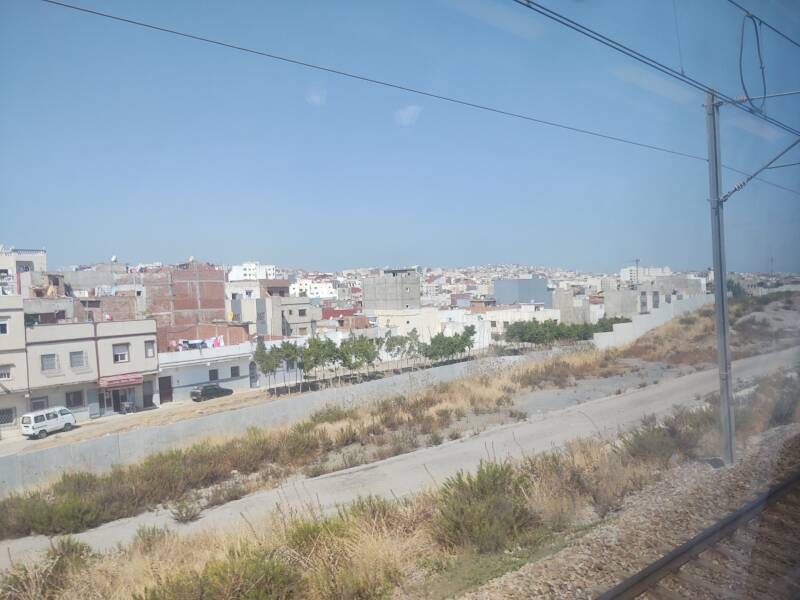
[(648, 577)]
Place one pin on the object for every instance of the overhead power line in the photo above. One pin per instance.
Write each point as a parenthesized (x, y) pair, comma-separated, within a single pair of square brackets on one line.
[(408, 89), (767, 25), (650, 62), (794, 164), (757, 34), (753, 175)]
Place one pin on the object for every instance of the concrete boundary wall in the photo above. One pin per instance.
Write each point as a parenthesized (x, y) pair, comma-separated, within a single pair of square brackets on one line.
[(626, 333), (26, 469)]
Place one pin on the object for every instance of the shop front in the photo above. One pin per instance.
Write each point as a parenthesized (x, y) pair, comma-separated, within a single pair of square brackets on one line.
[(120, 394)]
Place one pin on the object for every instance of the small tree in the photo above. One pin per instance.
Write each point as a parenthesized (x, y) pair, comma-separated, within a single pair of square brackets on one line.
[(267, 361)]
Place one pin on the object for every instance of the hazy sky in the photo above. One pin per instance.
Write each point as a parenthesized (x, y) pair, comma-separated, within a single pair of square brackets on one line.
[(119, 140)]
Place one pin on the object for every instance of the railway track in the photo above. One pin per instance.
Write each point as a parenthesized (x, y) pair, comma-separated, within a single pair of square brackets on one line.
[(752, 553)]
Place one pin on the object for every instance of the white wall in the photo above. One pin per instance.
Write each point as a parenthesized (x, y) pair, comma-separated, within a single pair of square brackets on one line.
[(626, 333)]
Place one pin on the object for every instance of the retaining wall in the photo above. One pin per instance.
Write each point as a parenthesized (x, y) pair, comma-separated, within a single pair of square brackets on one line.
[(29, 468), (626, 333)]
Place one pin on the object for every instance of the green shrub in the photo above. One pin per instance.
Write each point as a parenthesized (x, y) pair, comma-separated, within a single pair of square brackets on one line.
[(68, 553), (43, 580), (444, 416), (435, 438), (346, 435), (148, 537), (185, 510), (300, 444), (518, 415), (487, 510), (304, 535), (650, 442), (224, 493), (247, 573), (332, 414), (373, 508)]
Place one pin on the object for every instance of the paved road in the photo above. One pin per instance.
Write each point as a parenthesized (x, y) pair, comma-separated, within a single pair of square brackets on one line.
[(415, 471)]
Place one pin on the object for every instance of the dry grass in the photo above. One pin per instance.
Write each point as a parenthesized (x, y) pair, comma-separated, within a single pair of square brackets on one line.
[(690, 339), (371, 547), (333, 438)]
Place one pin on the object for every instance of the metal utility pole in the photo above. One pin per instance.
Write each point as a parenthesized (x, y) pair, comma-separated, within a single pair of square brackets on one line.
[(720, 277)]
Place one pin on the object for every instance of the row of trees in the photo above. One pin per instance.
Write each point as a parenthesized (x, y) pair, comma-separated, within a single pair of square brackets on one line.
[(357, 352), (548, 332)]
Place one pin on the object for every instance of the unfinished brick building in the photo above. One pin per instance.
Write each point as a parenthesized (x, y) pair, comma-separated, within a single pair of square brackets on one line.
[(180, 295)]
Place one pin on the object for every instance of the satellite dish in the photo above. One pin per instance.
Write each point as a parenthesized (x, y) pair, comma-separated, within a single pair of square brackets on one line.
[(191, 259), (114, 258)]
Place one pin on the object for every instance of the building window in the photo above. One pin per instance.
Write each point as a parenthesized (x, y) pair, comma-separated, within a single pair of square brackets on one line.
[(77, 359), (261, 316), (494, 323), (5, 372), (304, 331), (74, 399), (7, 415), (302, 312), (38, 403), (234, 372), (291, 312), (213, 374), (149, 349), (49, 362), (3, 328), (121, 353)]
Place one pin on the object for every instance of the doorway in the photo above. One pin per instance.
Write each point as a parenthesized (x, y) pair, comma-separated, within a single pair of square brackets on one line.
[(253, 375), (165, 389), (147, 394)]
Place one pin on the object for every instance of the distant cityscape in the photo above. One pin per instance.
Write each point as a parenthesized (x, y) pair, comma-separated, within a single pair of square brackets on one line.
[(111, 337)]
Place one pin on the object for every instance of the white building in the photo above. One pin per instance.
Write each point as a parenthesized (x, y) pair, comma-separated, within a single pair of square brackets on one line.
[(252, 271), (634, 275), (229, 366), (493, 323), (14, 261), (312, 288)]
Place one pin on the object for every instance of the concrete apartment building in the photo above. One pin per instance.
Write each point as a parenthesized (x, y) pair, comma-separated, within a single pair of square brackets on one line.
[(13, 360), (251, 271), (525, 290), (92, 368), (276, 316), (13, 262), (393, 289), (313, 288), (287, 316), (635, 274)]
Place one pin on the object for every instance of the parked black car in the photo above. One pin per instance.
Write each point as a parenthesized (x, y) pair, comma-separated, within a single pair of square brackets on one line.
[(206, 392)]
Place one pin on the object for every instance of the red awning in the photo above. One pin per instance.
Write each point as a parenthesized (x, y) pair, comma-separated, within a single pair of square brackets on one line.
[(121, 380)]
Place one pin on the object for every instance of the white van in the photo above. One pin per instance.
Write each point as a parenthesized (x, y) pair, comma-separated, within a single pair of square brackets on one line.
[(39, 423)]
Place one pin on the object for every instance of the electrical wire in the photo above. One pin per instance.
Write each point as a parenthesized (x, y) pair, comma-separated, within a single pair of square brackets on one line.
[(678, 34), (408, 89), (767, 25), (794, 164), (756, 25), (752, 176), (650, 62)]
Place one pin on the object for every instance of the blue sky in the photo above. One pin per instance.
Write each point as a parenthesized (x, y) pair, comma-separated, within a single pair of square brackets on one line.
[(119, 140)]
